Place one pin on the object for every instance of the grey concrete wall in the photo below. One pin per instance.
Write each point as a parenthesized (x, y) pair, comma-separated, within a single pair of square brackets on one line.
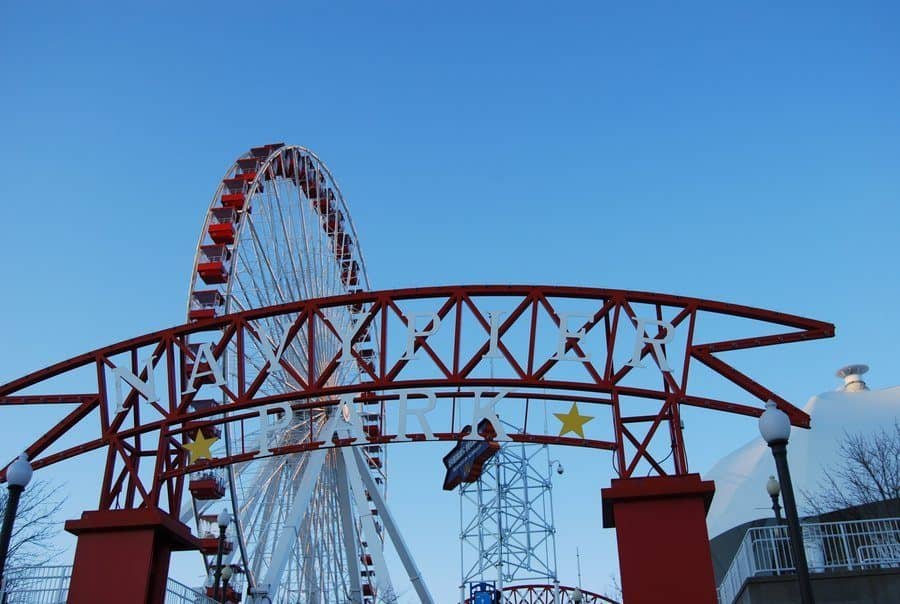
[(860, 587)]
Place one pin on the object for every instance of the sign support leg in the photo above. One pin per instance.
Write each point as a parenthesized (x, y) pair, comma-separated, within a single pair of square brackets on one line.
[(124, 555), (660, 525)]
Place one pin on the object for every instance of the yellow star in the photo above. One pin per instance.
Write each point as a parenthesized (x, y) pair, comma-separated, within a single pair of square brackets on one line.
[(572, 421), (199, 449)]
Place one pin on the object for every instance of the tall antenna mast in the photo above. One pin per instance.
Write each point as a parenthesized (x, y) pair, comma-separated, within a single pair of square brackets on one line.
[(578, 562)]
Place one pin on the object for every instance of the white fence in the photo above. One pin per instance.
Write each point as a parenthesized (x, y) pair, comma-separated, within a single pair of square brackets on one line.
[(50, 585), (854, 545), (176, 593), (36, 585)]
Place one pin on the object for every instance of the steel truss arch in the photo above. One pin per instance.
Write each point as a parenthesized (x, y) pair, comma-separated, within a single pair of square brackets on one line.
[(140, 407), (169, 353)]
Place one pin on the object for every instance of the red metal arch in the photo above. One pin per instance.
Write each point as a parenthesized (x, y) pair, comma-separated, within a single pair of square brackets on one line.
[(140, 433), (544, 594)]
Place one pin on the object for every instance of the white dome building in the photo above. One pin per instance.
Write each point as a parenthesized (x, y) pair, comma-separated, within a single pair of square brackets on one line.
[(741, 476)]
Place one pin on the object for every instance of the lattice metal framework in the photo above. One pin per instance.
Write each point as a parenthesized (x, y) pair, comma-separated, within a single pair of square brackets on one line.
[(506, 518)]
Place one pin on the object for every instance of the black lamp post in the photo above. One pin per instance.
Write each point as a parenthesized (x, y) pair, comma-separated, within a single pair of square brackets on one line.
[(775, 427), (223, 521), (773, 488), (18, 474)]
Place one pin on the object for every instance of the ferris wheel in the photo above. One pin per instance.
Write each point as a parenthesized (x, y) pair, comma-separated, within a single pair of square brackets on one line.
[(307, 526)]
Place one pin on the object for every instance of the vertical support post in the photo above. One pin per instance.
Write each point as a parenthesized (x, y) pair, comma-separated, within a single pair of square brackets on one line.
[(779, 452), (661, 532), (9, 516), (500, 535), (845, 545)]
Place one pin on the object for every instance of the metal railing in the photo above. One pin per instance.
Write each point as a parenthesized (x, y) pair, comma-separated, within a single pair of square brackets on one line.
[(35, 585), (50, 585), (829, 546), (177, 593)]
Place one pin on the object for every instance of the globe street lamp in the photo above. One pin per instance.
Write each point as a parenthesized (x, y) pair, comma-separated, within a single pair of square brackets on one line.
[(775, 428), (223, 520), (773, 488), (18, 474), (226, 577), (577, 597)]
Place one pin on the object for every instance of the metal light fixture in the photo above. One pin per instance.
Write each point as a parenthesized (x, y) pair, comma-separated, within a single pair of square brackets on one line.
[(773, 489), (18, 475), (223, 520), (227, 572), (775, 428), (577, 597)]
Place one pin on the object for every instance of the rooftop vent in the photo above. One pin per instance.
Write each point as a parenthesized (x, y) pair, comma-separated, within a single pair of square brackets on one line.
[(852, 375)]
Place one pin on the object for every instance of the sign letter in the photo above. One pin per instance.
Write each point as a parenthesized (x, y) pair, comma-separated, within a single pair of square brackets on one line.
[(405, 411), (268, 431), (565, 335), (205, 352), (273, 356), (343, 423), (347, 340), (486, 411), (656, 343), (493, 351), (412, 333), (148, 388)]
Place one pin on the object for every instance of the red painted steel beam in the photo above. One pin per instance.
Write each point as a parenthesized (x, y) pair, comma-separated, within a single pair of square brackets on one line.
[(817, 329), (452, 371), (54, 399)]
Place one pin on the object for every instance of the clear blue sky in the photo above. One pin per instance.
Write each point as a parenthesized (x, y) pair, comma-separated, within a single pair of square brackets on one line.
[(726, 150)]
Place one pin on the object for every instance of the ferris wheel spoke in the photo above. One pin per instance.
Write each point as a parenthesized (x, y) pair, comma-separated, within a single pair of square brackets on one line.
[(266, 263), (245, 268), (287, 238)]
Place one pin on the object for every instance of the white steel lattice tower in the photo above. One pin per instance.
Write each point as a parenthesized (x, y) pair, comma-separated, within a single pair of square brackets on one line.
[(506, 518)]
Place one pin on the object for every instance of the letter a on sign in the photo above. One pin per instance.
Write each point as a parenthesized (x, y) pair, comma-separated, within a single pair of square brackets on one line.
[(204, 352)]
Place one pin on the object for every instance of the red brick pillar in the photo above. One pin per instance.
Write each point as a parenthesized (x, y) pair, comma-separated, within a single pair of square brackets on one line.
[(660, 526), (123, 555)]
